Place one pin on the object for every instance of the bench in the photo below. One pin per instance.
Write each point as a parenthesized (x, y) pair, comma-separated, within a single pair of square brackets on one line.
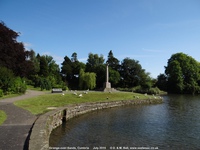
[(56, 90)]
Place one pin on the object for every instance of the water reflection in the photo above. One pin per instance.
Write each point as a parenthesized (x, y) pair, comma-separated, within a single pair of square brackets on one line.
[(175, 124)]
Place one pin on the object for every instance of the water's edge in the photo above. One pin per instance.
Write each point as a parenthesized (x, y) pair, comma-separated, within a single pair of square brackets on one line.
[(39, 138)]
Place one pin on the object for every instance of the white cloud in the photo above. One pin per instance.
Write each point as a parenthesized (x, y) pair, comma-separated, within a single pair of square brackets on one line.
[(82, 59), (27, 45), (56, 58)]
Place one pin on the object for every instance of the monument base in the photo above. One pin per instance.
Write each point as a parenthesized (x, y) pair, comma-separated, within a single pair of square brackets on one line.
[(109, 90), (107, 85)]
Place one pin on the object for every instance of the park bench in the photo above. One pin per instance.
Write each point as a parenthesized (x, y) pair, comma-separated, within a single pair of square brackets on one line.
[(56, 90)]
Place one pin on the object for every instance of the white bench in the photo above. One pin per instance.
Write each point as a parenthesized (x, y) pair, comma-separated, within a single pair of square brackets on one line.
[(56, 90)]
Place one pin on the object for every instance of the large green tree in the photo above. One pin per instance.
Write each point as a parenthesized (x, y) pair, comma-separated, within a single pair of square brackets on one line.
[(70, 70), (87, 80), (182, 73), (131, 73), (112, 61), (161, 82), (93, 61), (35, 61), (44, 70), (114, 77), (66, 68)]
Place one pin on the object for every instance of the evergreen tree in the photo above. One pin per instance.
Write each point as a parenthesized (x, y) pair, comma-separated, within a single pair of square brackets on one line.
[(112, 61), (44, 70)]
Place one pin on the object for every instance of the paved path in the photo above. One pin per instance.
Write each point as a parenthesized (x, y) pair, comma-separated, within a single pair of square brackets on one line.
[(14, 132)]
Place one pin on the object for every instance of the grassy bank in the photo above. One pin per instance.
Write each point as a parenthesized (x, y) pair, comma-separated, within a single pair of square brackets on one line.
[(2, 117), (40, 104)]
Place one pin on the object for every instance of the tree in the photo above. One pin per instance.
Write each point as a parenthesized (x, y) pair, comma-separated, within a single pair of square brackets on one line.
[(87, 80), (145, 81), (70, 70), (53, 68), (74, 57), (114, 77), (162, 82), (44, 70), (13, 54), (93, 61), (100, 72), (31, 56), (112, 61), (66, 68), (6, 79), (131, 73), (182, 73)]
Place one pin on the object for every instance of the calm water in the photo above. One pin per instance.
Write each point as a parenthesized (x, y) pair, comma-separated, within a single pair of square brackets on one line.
[(175, 124)]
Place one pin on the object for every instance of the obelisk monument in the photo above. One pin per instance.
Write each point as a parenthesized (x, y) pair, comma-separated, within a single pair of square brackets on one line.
[(107, 84)]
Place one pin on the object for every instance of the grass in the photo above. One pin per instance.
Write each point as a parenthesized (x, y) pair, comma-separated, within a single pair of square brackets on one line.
[(40, 104), (2, 117), (10, 96)]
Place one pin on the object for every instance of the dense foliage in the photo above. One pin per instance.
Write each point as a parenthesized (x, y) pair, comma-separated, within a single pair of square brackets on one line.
[(182, 75), (87, 80), (20, 67)]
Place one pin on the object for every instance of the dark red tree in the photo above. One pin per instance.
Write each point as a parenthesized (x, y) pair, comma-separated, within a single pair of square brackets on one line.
[(12, 53)]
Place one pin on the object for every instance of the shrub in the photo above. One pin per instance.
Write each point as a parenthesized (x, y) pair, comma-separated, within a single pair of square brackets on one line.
[(45, 84), (1, 93), (6, 79), (155, 90), (19, 86)]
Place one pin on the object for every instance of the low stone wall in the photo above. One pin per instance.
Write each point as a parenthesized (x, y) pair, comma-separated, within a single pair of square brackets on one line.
[(39, 139)]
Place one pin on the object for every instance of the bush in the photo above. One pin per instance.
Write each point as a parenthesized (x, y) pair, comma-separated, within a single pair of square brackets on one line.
[(6, 79), (19, 86), (62, 86), (139, 89), (45, 84), (154, 91), (1, 93)]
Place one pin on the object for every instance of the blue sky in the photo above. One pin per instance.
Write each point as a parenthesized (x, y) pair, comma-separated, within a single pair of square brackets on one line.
[(149, 31)]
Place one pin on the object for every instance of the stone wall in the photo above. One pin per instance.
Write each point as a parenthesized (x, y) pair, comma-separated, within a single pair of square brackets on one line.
[(43, 126)]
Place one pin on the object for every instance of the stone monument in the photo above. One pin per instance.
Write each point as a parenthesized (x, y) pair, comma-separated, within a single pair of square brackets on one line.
[(107, 84)]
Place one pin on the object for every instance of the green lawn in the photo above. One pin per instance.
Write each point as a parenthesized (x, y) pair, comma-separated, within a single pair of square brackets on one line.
[(2, 117), (39, 104)]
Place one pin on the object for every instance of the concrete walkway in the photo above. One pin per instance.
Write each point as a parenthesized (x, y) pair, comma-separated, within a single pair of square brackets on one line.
[(14, 132)]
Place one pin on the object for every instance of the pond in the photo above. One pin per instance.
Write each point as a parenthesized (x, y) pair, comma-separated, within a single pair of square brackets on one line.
[(175, 124)]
